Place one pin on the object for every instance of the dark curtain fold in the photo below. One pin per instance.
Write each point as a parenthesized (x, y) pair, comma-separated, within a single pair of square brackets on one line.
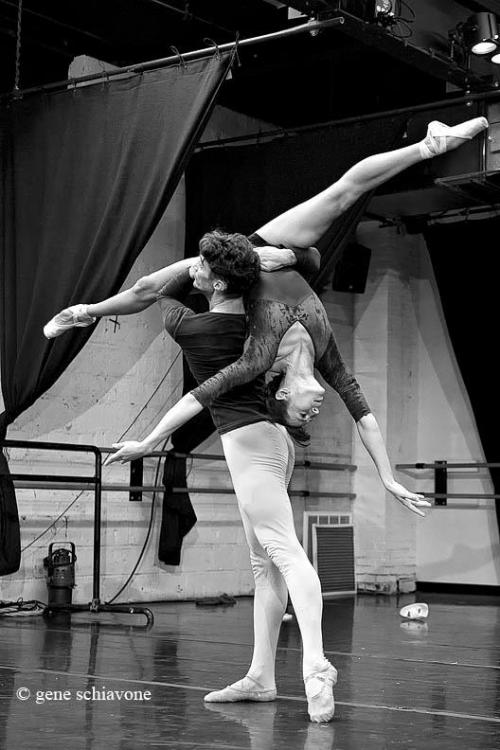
[(466, 267), (86, 174)]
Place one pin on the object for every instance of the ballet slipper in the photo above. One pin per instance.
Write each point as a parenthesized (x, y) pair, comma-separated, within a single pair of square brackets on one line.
[(319, 692), (71, 317), (417, 611), (246, 689), (441, 138)]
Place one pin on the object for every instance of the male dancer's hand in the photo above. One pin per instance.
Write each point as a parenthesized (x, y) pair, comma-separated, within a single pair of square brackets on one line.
[(410, 500), (128, 451)]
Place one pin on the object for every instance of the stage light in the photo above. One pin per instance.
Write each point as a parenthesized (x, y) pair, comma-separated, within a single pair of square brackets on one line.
[(384, 12), (384, 6), (495, 58), (481, 33)]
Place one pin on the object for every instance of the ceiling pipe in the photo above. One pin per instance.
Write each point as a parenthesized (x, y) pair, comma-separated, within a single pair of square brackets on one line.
[(312, 27)]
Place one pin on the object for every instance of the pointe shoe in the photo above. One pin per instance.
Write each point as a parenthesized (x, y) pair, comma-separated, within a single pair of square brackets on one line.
[(441, 138), (417, 611), (319, 692), (71, 317), (246, 689)]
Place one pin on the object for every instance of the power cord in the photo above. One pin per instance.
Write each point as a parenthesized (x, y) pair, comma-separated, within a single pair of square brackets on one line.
[(21, 607), (148, 534)]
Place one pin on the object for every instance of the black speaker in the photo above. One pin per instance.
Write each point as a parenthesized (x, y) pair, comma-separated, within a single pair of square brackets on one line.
[(351, 271)]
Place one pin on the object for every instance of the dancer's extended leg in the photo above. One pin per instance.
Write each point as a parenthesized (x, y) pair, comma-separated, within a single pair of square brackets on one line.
[(305, 224), (258, 459)]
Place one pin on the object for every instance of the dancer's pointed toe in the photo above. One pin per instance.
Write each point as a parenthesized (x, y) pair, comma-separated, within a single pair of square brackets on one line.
[(319, 691), (71, 317), (441, 138)]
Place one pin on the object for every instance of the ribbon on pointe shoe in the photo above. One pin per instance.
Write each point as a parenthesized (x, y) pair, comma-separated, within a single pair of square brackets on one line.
[(441, 138)]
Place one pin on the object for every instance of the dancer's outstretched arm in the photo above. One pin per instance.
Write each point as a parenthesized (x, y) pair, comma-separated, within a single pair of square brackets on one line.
[(332, 368), (134, 300), (373, 441), (178, 415), (143, 293), (306, 223)]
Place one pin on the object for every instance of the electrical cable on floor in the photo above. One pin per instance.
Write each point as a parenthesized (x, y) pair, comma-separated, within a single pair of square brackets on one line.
[(148, 534), (20, 607)]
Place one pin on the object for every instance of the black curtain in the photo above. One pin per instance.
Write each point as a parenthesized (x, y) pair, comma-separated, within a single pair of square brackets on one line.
[(86, 174), (466, 266)]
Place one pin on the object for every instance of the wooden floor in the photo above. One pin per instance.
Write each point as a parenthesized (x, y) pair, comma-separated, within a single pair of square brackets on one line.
[(432, 685)]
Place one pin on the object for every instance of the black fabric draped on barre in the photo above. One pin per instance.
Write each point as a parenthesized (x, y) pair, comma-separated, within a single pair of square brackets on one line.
[(86, 174), (178, 515)]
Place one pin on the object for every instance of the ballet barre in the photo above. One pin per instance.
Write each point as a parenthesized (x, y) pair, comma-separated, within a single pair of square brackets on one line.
[(137, 472), (26, 482), (441, 471)]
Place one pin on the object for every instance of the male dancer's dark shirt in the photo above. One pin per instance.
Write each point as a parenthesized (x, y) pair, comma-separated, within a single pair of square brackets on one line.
[(211, 341)]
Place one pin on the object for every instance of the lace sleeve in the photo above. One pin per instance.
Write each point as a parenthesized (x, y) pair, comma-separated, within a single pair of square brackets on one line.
[(267, 324), (334, 371)]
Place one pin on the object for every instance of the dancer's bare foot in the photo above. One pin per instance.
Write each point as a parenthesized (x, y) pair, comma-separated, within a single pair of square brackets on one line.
[(441, 138)]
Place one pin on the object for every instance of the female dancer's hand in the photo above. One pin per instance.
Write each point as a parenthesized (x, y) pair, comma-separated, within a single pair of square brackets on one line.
[(410, 500), (128, 451), (274, 258)]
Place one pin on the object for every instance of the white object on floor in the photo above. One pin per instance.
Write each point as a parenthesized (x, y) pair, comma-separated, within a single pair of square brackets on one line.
[(416, 611)]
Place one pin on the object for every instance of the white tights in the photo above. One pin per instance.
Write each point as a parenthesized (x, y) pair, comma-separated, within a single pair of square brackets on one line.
[(260, 458)]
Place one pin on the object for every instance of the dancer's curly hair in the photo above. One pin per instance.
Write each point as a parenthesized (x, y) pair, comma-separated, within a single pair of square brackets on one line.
[(277, 410), (232, 257)]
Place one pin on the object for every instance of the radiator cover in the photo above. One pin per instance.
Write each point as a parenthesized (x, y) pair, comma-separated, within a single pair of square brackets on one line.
[(329, 544)]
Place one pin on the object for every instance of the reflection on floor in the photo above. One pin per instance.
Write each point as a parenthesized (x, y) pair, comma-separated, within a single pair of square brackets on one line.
[(94, 682)]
